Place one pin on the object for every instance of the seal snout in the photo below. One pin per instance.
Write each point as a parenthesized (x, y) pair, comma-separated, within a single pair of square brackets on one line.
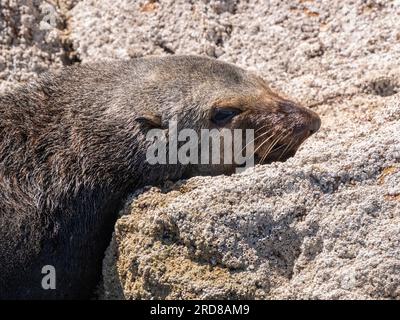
[(307, 122), (315, 124), (312, 122), (294, 125)]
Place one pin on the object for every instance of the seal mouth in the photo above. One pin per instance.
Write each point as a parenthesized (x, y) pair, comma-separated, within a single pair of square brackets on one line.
[(279, 146), (280, 152)]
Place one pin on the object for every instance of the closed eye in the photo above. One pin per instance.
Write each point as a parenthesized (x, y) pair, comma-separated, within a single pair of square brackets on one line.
[(222, 116)]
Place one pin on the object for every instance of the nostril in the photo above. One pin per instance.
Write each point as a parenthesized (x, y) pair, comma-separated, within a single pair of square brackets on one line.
[(315, 125)]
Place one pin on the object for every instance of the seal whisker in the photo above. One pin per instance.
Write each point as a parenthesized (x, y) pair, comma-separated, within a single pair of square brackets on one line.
[(265, 155), (259, 129), (282, 139), (278, 138), (261, 135), (266, 140), (267, 151), (287, 148)]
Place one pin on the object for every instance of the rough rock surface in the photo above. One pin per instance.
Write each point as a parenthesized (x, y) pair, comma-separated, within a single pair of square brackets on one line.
[(33, 39)]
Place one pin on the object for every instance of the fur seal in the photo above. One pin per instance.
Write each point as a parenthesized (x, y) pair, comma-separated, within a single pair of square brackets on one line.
[(72, 147)]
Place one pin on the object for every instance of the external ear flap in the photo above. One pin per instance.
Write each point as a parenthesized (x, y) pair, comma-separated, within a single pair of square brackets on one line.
[(151, 119)]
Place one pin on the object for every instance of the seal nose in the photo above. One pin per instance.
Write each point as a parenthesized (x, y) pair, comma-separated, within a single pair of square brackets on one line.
[(308, 122), (315, 124)]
